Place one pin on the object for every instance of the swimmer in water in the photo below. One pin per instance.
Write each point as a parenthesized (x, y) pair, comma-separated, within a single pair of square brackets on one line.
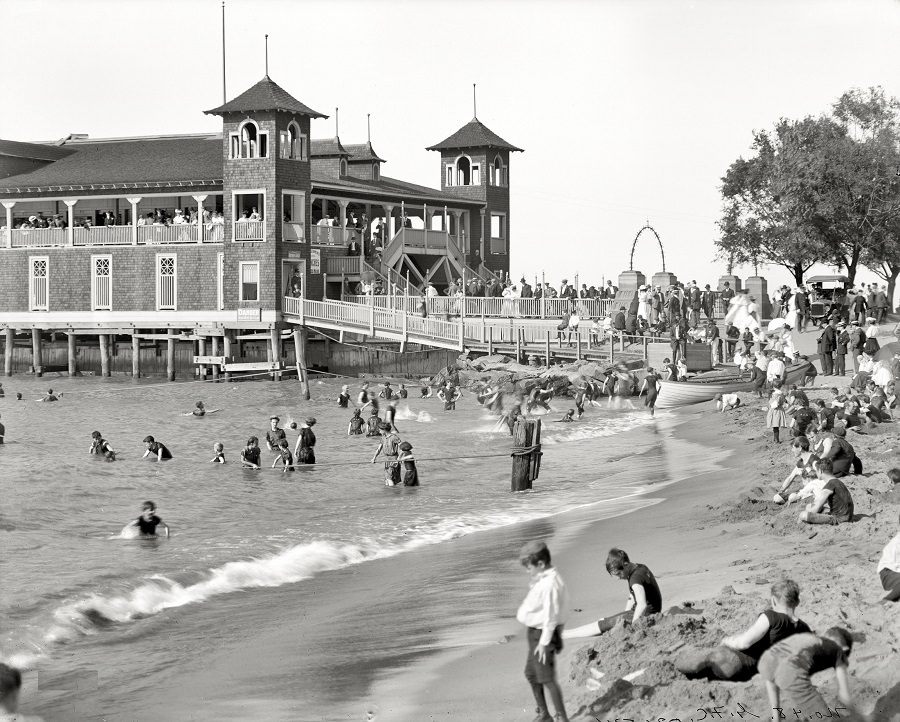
[(410, 472), (51, 396), (18, 395), (387, 393), (219, 451), (568, 418), (389, 414), (285, 457), (356, 424), (402, 392), (372, 424), (2, 432), (2, 393), (250, 454), (343, 399), (99, 445), (199, 410), (148, 521), (275, 434), (155, 447), (425, 391)]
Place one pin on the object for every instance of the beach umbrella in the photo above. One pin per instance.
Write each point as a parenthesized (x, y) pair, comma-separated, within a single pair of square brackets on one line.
[(886, 352), (776, 324)]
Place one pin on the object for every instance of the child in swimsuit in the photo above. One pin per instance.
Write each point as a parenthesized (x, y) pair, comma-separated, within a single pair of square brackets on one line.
[(410, 472), (199, 410), (250, 454), (219, 450), (372, 424), (402, 392), (568, 418), (285, 457), (99, 445), (356, 424), (148, 521), (343, 398), (157, 448)]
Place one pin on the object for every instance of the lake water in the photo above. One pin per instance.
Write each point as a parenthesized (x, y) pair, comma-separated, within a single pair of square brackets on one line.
[(349, 580)]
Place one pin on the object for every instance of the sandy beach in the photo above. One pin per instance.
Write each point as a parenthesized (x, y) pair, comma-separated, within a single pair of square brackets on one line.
[(716, 542)]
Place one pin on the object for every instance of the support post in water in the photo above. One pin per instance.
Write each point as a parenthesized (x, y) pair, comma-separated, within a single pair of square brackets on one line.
[(8, 351), (201, 351), (36, 352), (104, 354), (226, 348), (72, 354), (170, 355), (215, 352), (301, 336), (526, 454), (135, 356)]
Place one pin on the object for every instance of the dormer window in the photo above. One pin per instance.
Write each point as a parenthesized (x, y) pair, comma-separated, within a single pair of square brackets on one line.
[(343, 166), (499, 173), (467, 173), (376, 171), (249, 142), (292, 143)]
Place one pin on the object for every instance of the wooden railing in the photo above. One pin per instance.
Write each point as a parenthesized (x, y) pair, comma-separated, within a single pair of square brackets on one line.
[(36, 237), (249, 231), (161, 235), (103, 235), (552, 308), (292, 232), (334, 235), (347, 265)]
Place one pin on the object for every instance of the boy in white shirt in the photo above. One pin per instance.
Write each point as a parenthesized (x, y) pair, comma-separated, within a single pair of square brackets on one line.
[(544, 613)]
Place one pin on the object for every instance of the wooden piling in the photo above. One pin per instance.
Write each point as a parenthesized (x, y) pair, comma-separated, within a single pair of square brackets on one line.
[(201, 351), (276, 352), (519, 345), (215, 352), (104, 354), (72, 351), (135, 357), (8, 351), (36, 352), (226, 350), (170, 355), (547, 349), (578, 345), (301, 337), (526, 454), (491, 341)]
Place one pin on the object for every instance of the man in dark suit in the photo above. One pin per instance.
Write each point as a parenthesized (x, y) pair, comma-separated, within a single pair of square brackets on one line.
[(829, 344), (802, 303), (677, 336)]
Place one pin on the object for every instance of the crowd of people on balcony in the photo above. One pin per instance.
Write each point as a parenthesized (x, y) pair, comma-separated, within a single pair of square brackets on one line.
[(39, 221)]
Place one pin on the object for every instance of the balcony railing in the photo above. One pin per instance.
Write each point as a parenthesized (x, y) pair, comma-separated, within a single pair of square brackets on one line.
[(214, 233), (344, 265), (103, 235), (36, 237), (159, 235), (552, 308), (334, 235), (249, 231)]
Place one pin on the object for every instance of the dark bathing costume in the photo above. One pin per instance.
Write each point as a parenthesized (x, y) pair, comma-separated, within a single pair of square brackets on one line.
[(155, 448), (252, 455), (148, 528)]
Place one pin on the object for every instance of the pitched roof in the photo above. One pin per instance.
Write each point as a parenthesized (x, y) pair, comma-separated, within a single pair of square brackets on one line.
[(391, 187), (362, 152), (33, 151), (168, 159), (265, 95), (321, 147), (474, 134)]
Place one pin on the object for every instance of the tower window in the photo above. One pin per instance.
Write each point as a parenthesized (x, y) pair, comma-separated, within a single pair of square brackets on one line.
[(376, 171), (249, 142), (463, 171), (498, 173), (449, 174), (343, 166), (292, 143)]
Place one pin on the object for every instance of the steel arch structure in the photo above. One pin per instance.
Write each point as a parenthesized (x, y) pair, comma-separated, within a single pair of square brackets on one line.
[(650, 228)]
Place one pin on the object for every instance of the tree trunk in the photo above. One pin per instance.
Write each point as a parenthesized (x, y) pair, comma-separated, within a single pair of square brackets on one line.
[(798, 272)]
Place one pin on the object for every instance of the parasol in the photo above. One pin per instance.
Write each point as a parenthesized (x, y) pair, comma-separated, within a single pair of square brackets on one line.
[(886, 352), (776, 324)]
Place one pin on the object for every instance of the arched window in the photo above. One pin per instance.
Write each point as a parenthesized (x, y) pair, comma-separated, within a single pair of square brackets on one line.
[(293, 143), (343, 166), (249, 141), (376, 171), (498, 172), (463, 171)]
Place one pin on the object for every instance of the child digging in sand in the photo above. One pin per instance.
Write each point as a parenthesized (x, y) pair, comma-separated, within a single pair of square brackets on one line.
[(543, 613)]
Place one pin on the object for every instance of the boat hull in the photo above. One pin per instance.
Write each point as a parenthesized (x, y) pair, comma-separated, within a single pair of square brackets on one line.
[(684, 393)]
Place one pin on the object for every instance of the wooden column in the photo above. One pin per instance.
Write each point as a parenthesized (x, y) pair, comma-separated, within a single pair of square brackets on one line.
[(519, 345), (276, 352), (547, 349), (301, 337), (490, 340), (526, 465), (170, 355), (578, 345), (226, 343), (36, 351), (8, 350), (72, 351), (201, 351), (215, 352), (135, 356), (104, 354)]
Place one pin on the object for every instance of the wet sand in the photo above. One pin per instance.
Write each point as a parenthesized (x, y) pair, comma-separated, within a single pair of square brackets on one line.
[(717, 542)]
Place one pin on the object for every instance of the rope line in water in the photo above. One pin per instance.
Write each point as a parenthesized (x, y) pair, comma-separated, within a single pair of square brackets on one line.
[(381, 460)]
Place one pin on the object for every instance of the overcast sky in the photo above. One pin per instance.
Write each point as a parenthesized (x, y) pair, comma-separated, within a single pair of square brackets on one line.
[(627, 111)]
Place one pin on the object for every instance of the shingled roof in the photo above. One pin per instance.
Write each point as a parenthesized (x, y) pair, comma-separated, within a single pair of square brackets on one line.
[(474, 134), (127, 161), (322, 147), (33, 151), (265, 95), (362, 152)]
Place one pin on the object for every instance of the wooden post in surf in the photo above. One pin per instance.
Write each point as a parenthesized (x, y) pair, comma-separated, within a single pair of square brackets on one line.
[(201, 351), (612, 348), (491, 341), (547, 349), (226, 349), (135, 356), (276, 353), (526, 453), (578, 345), (73, 369), (170, 355), (215, 352), (8, 351), (518, 345), (104, 354), (301, 336), (36, 352)]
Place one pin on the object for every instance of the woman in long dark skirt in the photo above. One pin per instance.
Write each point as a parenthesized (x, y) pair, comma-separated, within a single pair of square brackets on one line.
[(410, 472), (303, 452)]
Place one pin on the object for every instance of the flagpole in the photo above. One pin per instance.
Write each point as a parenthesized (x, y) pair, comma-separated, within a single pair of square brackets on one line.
[(224, 95)]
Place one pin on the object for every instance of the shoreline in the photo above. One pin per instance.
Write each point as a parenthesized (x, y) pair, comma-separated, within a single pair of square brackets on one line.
[(727, 558)]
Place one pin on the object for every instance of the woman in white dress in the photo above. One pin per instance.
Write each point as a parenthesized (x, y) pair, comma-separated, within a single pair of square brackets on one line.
[(643, 302)]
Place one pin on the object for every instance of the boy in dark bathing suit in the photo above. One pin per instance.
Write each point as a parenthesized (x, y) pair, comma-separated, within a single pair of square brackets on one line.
[(99, 445), (275, 434), (644, 596), (157, 448), (148, 521)]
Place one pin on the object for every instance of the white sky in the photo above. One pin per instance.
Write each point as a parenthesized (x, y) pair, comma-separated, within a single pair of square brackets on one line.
[(627, 111)]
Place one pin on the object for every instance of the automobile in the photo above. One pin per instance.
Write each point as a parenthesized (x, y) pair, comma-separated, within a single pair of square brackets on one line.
[(829, 295)]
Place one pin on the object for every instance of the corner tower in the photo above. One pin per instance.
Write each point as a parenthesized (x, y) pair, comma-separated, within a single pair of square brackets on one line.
[(475, 166), (266, 188)]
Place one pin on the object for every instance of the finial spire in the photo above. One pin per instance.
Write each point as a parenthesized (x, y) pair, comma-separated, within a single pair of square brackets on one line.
[(267, 55), (369, 127), (336, 133), (474, 104)]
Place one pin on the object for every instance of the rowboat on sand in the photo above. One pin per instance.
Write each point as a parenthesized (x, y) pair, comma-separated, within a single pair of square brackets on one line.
[(704, 388)]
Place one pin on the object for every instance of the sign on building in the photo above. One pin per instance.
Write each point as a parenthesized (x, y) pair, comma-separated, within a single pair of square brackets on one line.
[(315, 261)]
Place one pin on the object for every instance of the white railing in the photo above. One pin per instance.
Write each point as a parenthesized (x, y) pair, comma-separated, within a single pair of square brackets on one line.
[(164, 235), (102, 235), (214, 233), (433, 328), (334, 235), (37, 237), (292, 306), (337, 312), (292, 232), (249, 231), (492, 307), (347, 265)]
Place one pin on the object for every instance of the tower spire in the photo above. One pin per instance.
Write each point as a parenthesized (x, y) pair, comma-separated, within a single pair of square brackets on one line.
[(336, 133), (267, 55), (474, 104), (369, 127)]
